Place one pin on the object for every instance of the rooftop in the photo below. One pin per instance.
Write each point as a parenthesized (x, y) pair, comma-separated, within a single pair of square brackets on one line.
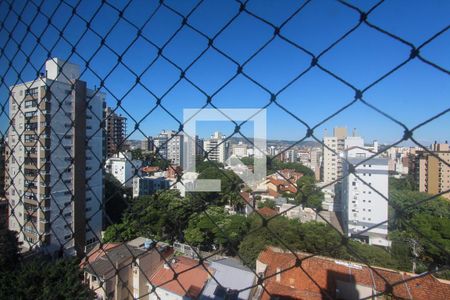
[(190, 280), (324, 277)]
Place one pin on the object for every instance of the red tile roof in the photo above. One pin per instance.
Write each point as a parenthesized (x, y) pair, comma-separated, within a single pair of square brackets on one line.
[(98, 252), (190, 281), (150, 169), (317, 278), (267, 212), (246, 197)]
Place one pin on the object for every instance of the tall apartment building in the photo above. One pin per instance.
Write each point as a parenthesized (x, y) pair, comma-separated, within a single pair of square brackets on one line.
[(52, 180), (432, 174), (239, 150), (170, 146), (363, 208), (332, 166), (216, 147), (123, 168), (316, 155), (147, 144), (116, 128)]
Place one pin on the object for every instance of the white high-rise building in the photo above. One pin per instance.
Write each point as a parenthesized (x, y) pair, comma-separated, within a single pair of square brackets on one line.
[(123, 168), (363, 208), (54, 148), (216, 147)]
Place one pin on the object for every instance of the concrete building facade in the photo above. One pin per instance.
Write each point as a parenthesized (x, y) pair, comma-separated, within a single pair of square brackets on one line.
[(169, 145), (53, 181), (123, 168), (433, 171), (364, 210), (332, 166), (216, 147), (115, 127), (148, 185)]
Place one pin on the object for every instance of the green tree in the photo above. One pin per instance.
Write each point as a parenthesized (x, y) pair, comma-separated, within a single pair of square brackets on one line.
[(9, 249), (281, 232), (117, 199), (42, 278), (215, 227), (137, 154), (308, 194), (162, 216), (230, 187), (267, 203)]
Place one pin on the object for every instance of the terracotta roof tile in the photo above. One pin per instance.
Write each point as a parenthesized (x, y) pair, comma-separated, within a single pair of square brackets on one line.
[(190, 281), (317, 278), (267, 212)]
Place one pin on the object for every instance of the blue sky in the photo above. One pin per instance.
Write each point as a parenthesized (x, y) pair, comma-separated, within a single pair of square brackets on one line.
[(412, 94)]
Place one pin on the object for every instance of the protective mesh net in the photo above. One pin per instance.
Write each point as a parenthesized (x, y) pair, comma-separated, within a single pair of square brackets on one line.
[(178, 55)]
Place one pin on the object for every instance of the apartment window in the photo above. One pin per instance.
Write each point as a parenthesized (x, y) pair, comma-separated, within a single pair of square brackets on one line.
[(88, 199), (88, 209), (68, 137), (67, 215), (30, 114), (66, 237), (30, 103), (30, 126), (29, 138), (353, 183), (32, 92)]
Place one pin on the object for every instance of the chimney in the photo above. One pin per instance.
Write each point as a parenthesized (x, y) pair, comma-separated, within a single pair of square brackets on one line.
[(354, 132)]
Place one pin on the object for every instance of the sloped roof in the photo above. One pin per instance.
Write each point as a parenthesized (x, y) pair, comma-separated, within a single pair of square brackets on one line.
[(317, 278), (190, 280), (267, 212)]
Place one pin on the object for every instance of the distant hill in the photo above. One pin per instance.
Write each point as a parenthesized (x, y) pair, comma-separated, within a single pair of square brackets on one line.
[(236, 140)]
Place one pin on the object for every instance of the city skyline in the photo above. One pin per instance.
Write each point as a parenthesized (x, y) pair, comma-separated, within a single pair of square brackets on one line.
[(312, 98)]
